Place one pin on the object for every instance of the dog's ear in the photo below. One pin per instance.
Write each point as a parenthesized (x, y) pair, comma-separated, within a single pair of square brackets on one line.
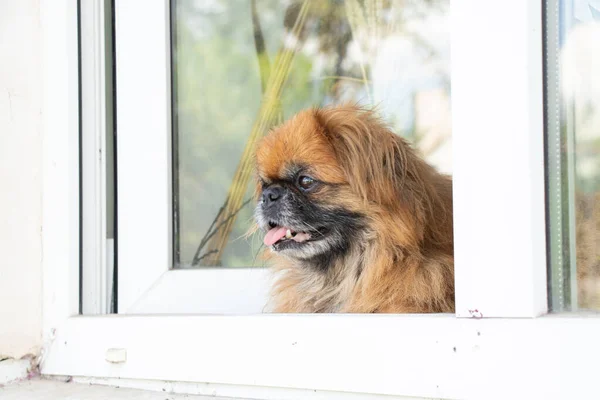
[(373, 158), (382, 168)]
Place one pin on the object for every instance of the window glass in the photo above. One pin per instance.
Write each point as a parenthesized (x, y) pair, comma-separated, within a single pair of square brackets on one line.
[(573, 139), (240, 67)]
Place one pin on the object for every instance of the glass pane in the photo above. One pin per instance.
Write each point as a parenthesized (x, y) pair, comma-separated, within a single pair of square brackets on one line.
[(573, 97), (240, 67)]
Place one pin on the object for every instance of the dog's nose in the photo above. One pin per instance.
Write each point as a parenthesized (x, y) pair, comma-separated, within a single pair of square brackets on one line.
[(272, 194)]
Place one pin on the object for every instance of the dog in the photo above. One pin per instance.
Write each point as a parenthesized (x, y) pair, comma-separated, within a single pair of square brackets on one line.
[(354, 219)]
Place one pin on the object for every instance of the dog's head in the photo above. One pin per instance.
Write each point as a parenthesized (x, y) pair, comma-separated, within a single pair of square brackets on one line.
[(328, 178)]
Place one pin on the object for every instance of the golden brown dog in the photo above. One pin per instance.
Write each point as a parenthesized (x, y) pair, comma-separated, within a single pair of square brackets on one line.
[(355, 220)]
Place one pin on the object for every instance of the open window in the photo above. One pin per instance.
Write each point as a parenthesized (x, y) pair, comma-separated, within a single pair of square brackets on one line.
[(196, 82)]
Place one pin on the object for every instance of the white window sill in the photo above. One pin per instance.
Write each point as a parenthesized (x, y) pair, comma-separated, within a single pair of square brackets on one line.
[(47, 389), (59, 388), (430, 356)]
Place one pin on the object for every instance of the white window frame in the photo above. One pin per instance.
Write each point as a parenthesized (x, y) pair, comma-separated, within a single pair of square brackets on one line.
[(500, 272), (60, 152), (144, 202), (97, 250), (519, 257), (498, 160)]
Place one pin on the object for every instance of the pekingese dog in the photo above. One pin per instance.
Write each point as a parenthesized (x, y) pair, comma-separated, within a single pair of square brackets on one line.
[(355, 220)]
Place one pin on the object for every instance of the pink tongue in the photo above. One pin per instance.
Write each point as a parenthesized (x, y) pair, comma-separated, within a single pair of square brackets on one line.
[(274, 235)]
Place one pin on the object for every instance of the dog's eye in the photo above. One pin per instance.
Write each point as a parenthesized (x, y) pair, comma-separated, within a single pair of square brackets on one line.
[(305, 182)]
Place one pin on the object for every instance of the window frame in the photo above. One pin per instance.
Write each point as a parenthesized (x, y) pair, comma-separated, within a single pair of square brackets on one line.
[(145, 258), (61, 235), (519, 261), (97, 251), (489, 255), (432, 355)]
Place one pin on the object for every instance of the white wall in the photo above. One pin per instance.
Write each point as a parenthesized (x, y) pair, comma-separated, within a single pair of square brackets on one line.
[(20, 178)]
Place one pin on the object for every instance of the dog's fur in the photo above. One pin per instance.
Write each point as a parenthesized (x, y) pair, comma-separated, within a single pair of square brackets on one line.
[(386, 215)]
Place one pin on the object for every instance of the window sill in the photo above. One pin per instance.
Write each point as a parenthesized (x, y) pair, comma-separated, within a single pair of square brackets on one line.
[(437, 356), (46, 389)]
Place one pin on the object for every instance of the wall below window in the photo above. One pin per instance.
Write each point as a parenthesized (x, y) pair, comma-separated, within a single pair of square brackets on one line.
[(20, 178)]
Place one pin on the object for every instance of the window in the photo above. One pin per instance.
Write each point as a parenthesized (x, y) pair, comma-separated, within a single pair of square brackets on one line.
[(500, 192), (574, 154), (184, 196), (231, 85)]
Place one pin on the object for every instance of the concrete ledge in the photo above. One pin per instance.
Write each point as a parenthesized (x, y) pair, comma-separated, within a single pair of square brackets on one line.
[(13, 370)]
